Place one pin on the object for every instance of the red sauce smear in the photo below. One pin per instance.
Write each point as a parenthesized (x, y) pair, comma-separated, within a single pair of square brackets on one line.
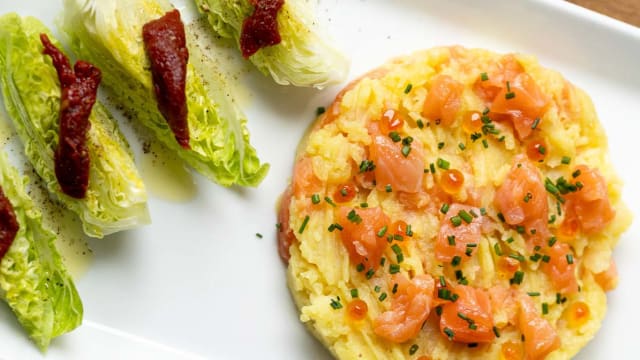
[(260, 29), (8, 224), (79, 89), (166, 46)]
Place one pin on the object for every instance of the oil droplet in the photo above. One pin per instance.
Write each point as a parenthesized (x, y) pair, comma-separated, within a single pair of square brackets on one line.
[(165, 175)]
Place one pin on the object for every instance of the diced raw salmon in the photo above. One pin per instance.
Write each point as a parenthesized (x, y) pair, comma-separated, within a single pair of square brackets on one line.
[(443, 100), (456, 240), (561, 268), (589, 207), (468, 319), (304, 180), (360, 234), (410, 308), (540, 338), (285, 234), (402, 173)]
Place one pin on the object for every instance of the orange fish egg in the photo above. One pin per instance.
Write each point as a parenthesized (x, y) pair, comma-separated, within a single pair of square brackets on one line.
[(391, 120), (537, 150), (472, 122), (577, 314), (451, 181), (511, 350), (345, 193), (357, 310)]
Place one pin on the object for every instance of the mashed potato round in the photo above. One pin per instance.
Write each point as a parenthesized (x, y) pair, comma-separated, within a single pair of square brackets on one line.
[(454, 204)]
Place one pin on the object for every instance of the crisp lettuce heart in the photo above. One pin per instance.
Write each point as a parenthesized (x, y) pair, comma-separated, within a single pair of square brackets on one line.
[(116, 198), (109, 34)]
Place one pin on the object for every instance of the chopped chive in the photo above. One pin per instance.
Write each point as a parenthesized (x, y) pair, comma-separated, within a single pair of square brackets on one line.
[(483, 211), (440, 145), (406, 149), (462, 146), (395, 288), (409, 232), (465, 216), (517, 278), (566, 160), (520, 229), (496, 332), (382, 231), (335, 303), (501, 138), (439, 310), (444, 208), (413, 349), (304, 224), (500, 216), (497, 249), (509, 95), (376, 288), (473, 326), (394, 269), (464, 317), (535, 257), (569, 259), (459, 275), (545, 308), (456, 221), (456, 260), (320, 110), (367, 165), (432, 167), (484, 76), (546, 258), (397, 237), (360, 267), (387, 188), (444, 294), (420, 123), (443, 164), (535, 123), (408, 88), (472, 245), (382, 261), (344, 191), (473, 213), (443, 282), (315, 198), (533, 293), (335, 226), (518, 257), (370, 273), (395, 136), (542, 150), (398, 251), (354, 217), (454, 297), (452, 240), (354, 293), (485, 143), (364, 205), (548, 185), (552, 241), (329, 201), (576, 173), (552, 219), (450, 334), (510, 240), (475, 136)]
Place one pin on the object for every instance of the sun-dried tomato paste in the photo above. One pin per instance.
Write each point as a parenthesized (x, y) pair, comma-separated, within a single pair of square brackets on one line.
[(79, 89), (166, 46), (260, 29), (8, 224)]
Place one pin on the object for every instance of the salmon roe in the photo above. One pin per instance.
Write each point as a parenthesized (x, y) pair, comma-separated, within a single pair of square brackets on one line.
[(537, 150), (508, 265), (472, 122), (357, 310), (391, 121), (452, 181), (511, 350), (578, 314), (345, 193)]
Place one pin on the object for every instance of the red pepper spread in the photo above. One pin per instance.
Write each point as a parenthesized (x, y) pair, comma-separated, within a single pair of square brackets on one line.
[(260, 29), (79, 89), (8, 224), (165, 43)]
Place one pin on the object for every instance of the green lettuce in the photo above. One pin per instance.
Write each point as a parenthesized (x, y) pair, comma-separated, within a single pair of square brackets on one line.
[(109, 34), (116, 198), (33, 279), (303, 58)]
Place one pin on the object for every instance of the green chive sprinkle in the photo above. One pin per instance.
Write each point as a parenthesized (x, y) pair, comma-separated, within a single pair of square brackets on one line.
[(387, 188), (439, 310), (394, 269), (420, 123), (576, 173), (452, 240), (360, 267), (510, 240), (315, 198), (370, 273), (395, 288), (382, 231), (450, 334), (335, 303), (517, 278), (408, 88), (443, 282), (465, 216), (496, 332), (456, 221), (456, 260), (364, 205), (517, 257), (545, 308), (501, 217), (320, 110), (413, 349), (395, 136), (533, 293), (520, 229), (535, 123), (497, 249), (432, 167), (485, 143), (484, 76), (354, 293), (509, 95), (440, 145), (569, 259), (329, 201), (462, 146), (398, 251), (354, 217), (552, 219), (382, 296), (552, 241), (382, 261), (546, 258), (566, 160), (483, 211), (409, 232), (406, 149), (304, 224), (376, 288), (444, 208), (443, 164)]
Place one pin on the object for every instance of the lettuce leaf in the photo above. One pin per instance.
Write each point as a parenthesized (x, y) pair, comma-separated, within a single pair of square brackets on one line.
[(116, 197), (303, 58), (33, 279), (109, 34)]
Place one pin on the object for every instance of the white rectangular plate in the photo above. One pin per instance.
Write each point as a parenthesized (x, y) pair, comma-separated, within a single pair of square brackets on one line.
[(198, 282)]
